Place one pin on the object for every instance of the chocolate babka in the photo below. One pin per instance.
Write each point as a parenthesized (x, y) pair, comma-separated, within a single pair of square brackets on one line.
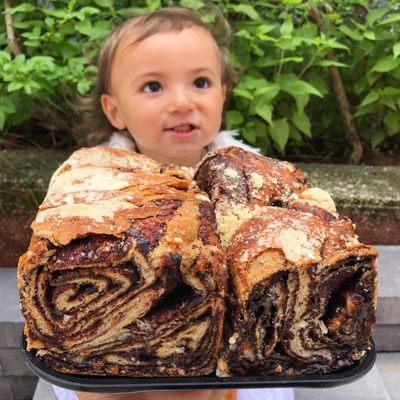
[(125, 274), (302, 289)]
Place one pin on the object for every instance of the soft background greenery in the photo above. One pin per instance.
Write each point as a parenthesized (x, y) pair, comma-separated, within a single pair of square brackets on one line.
[(284, 102)]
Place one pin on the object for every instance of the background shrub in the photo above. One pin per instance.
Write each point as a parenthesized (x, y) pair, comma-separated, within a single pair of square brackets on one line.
[(287, 51)]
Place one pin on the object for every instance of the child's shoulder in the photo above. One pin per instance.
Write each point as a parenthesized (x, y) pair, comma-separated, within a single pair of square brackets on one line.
[(123, 141), (120, 140), (227, 138)]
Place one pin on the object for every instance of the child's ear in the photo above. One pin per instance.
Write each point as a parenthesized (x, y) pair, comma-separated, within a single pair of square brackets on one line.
[(110, 108)]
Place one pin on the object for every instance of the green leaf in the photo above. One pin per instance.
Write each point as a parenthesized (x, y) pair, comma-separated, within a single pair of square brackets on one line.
[(84, 27), (385, 64), (307, 31), (28, 24), (292, 59), (374, 15), (353, 34), (279, 131), (371, 97), (302, 122), (287, 27), (370, 35), (395, 73), (391, 91), (337, 45), (369, 109), (104, 3), (234, 119), (250, 82), (392, 121), (71, 5), (83, 86), (390, 20), (32, 43), (396, 50), (264, 110), (193, 4), (100, 29), (243, 93), (85, 11), (295, 134), (13, 86), (6, 105), (291, 84), (245, 9), (321, 84), (22, 8), (244, 33), (250, 135), (389, 101), (259, 128), (377, 138), (291, 2), (265, 28), (257, 50), (49, 22), (2, 119), (267, 92), (266, 38), (5, 61), (58, 13), (330, 63), (302, 101)]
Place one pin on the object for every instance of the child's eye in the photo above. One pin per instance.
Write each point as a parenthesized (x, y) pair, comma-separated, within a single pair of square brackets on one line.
[(202, 83), (151, 87)]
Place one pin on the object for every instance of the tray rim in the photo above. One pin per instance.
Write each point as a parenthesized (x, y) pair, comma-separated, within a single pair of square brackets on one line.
[(115, 384)]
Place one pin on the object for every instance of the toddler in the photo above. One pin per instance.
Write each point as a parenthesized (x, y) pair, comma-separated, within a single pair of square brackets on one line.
[(162, 83)]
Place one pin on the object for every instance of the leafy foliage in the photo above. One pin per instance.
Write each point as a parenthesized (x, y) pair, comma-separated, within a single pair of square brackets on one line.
[(284, 101)]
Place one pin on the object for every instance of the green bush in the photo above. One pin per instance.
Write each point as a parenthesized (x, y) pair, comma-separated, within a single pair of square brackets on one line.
[(284, 101)]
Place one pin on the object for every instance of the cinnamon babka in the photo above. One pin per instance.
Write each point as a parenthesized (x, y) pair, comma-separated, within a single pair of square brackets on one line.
[(127, 270), (125, 274), (302, 289)]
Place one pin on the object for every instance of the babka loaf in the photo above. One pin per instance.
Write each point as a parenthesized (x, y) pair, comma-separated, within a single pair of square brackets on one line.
[(302, 289), (124, 274)]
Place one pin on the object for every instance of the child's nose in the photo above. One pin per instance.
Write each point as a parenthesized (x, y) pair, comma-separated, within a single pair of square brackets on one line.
[(180, 100)]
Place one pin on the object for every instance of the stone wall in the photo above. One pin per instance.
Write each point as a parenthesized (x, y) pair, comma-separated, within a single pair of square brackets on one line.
[(24, 178)]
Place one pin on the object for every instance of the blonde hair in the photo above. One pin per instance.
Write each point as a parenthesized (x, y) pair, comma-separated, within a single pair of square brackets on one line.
[(96, 126)]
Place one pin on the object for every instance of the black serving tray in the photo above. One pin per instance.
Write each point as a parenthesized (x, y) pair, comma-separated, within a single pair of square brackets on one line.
[(110, 384)]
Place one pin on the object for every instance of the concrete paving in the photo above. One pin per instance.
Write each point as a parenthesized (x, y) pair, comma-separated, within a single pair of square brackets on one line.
[(381, 383), (9, 302), (389, 367)]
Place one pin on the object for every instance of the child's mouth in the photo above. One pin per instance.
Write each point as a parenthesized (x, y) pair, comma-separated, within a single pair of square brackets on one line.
[(182, 131)]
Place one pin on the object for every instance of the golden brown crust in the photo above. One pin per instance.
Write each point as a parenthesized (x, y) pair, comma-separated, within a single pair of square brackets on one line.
[(247, 178), (303, 295), (120, 231), (117, 236)]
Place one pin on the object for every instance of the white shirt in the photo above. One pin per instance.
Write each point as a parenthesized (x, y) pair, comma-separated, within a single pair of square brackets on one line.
[(122, 140)]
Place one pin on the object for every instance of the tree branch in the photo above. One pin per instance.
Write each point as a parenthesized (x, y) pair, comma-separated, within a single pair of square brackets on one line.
[(352, 138), (12, 44)]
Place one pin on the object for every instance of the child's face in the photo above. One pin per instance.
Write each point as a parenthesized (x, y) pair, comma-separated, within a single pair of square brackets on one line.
[(168, 80)]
